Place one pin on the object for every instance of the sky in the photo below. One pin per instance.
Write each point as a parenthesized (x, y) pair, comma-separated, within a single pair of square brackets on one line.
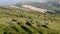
[(9, 2)]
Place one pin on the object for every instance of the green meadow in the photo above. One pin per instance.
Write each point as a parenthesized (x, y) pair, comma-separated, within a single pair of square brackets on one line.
[(18, 21)]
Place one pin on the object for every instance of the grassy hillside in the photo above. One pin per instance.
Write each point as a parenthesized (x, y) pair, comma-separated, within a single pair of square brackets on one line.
[(18, 21)]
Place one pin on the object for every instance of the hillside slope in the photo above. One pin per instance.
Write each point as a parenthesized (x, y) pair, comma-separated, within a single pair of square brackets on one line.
[(18, 21), (47, 5)]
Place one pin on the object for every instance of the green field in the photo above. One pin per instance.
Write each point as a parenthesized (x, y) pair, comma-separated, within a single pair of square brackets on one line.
[(18, 21)]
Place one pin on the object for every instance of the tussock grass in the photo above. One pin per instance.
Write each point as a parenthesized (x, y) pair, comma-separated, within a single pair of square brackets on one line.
[(18, 21)]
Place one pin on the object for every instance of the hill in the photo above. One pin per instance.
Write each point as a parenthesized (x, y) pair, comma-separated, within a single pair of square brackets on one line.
[(18, 21), (47, 5)]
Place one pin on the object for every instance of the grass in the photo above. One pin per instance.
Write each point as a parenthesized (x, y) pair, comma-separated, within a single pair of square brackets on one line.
[(17, 21)]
